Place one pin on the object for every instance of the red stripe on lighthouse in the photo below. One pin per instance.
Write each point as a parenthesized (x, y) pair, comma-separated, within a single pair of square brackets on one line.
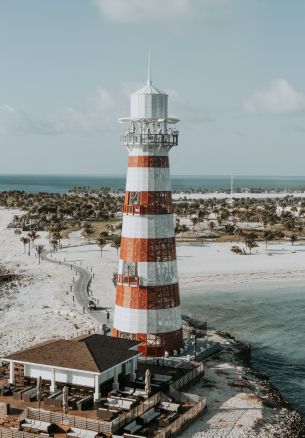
[(157, 345), (150, 297), (148, 161), (148, 202), (148, 250)]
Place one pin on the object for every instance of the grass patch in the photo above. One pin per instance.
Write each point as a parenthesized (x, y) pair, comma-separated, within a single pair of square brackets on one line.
[(98, 227)]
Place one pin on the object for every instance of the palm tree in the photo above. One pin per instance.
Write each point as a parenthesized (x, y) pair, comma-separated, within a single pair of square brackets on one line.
[(33, 236), (268, 235), (18, 232), (293, 238), (40, 251), (115, 242), (57, 236), (51, 230), (195, 221), (201, 214), (25, 241), (250, 241), (211, 226), (87, 230), (184, 228), (101, 243), (54, 244), (229, 229)]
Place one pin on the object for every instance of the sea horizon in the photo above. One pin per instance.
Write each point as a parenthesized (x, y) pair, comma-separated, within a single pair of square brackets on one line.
[(173, 175), (62, 183)]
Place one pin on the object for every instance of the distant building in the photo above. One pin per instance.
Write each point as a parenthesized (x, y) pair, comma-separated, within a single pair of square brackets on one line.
[(86, 362)]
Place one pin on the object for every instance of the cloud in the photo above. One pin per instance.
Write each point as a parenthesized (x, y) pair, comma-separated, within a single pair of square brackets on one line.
[(102, 100), (280, 98), (14, 121), (130, 87), (98, 112), (185, 110), (145, 10), (166, 11)]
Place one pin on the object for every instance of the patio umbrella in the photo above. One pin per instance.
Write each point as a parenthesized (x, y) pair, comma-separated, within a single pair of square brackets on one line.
[(39, 390), (147, 380), (65, 399)]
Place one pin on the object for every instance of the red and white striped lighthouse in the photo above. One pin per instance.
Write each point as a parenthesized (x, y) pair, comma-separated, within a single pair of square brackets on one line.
[(147, 304)]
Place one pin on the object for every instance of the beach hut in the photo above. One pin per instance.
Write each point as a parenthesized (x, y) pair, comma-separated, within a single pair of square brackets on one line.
[(85, 363)]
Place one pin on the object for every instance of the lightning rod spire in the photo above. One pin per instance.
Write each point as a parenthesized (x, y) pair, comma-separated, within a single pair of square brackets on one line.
[(149, 70)]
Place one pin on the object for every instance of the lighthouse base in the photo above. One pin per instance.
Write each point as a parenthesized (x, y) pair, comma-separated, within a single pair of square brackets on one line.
[(154, 345)]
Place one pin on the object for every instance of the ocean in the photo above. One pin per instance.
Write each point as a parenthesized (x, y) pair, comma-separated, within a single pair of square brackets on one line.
[(63, 183), (269, 316)]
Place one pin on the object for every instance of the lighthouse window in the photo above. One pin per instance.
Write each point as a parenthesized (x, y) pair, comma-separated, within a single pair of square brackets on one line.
[(130, 269), (134, 198)]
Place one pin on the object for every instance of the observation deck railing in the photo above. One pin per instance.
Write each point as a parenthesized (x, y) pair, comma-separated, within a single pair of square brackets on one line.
[(132, 209), (132, 139), (128, 280)]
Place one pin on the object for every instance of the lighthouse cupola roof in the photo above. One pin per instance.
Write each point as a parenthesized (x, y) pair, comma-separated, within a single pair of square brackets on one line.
[(149, 103)]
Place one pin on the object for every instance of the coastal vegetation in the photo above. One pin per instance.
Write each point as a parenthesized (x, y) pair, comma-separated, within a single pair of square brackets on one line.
[(97, 213), (243, 221)]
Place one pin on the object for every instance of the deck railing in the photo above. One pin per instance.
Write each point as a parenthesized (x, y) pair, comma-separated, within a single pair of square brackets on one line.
[(97, 426), (193, 374), (132, 209), (178, 424), (128, 280), (131, 139), (6, 432), (137, 411)]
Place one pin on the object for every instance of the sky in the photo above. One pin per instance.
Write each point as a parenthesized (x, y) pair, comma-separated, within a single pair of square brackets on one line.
[(233, 69)]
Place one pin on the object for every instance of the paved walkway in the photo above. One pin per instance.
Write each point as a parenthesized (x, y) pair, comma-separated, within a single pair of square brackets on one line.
[(81, 288)]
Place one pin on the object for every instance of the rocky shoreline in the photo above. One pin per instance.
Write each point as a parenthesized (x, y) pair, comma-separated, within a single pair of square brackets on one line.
[(281, 420), (288, 422)]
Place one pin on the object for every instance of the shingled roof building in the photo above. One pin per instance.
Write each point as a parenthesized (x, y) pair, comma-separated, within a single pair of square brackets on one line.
[(87, 361)]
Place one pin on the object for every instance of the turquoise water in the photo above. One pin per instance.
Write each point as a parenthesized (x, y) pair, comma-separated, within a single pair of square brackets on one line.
[(270, 317), (63, 183)]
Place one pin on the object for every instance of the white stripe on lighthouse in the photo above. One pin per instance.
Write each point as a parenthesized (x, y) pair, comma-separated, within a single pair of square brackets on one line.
[(147, 321), (148, 227), (144, 179), (145, 151), (155, 273)]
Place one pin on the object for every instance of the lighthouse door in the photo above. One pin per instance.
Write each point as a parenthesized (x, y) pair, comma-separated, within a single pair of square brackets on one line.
[(130, 268), (130, 273)]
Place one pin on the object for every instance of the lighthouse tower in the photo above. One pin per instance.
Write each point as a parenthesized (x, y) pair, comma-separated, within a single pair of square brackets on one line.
[(147, 305)]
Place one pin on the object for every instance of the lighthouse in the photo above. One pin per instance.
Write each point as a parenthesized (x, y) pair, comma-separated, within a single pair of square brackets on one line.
[(147, 306)]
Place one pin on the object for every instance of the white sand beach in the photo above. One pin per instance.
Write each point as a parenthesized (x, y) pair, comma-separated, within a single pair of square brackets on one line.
[(212, 263)]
